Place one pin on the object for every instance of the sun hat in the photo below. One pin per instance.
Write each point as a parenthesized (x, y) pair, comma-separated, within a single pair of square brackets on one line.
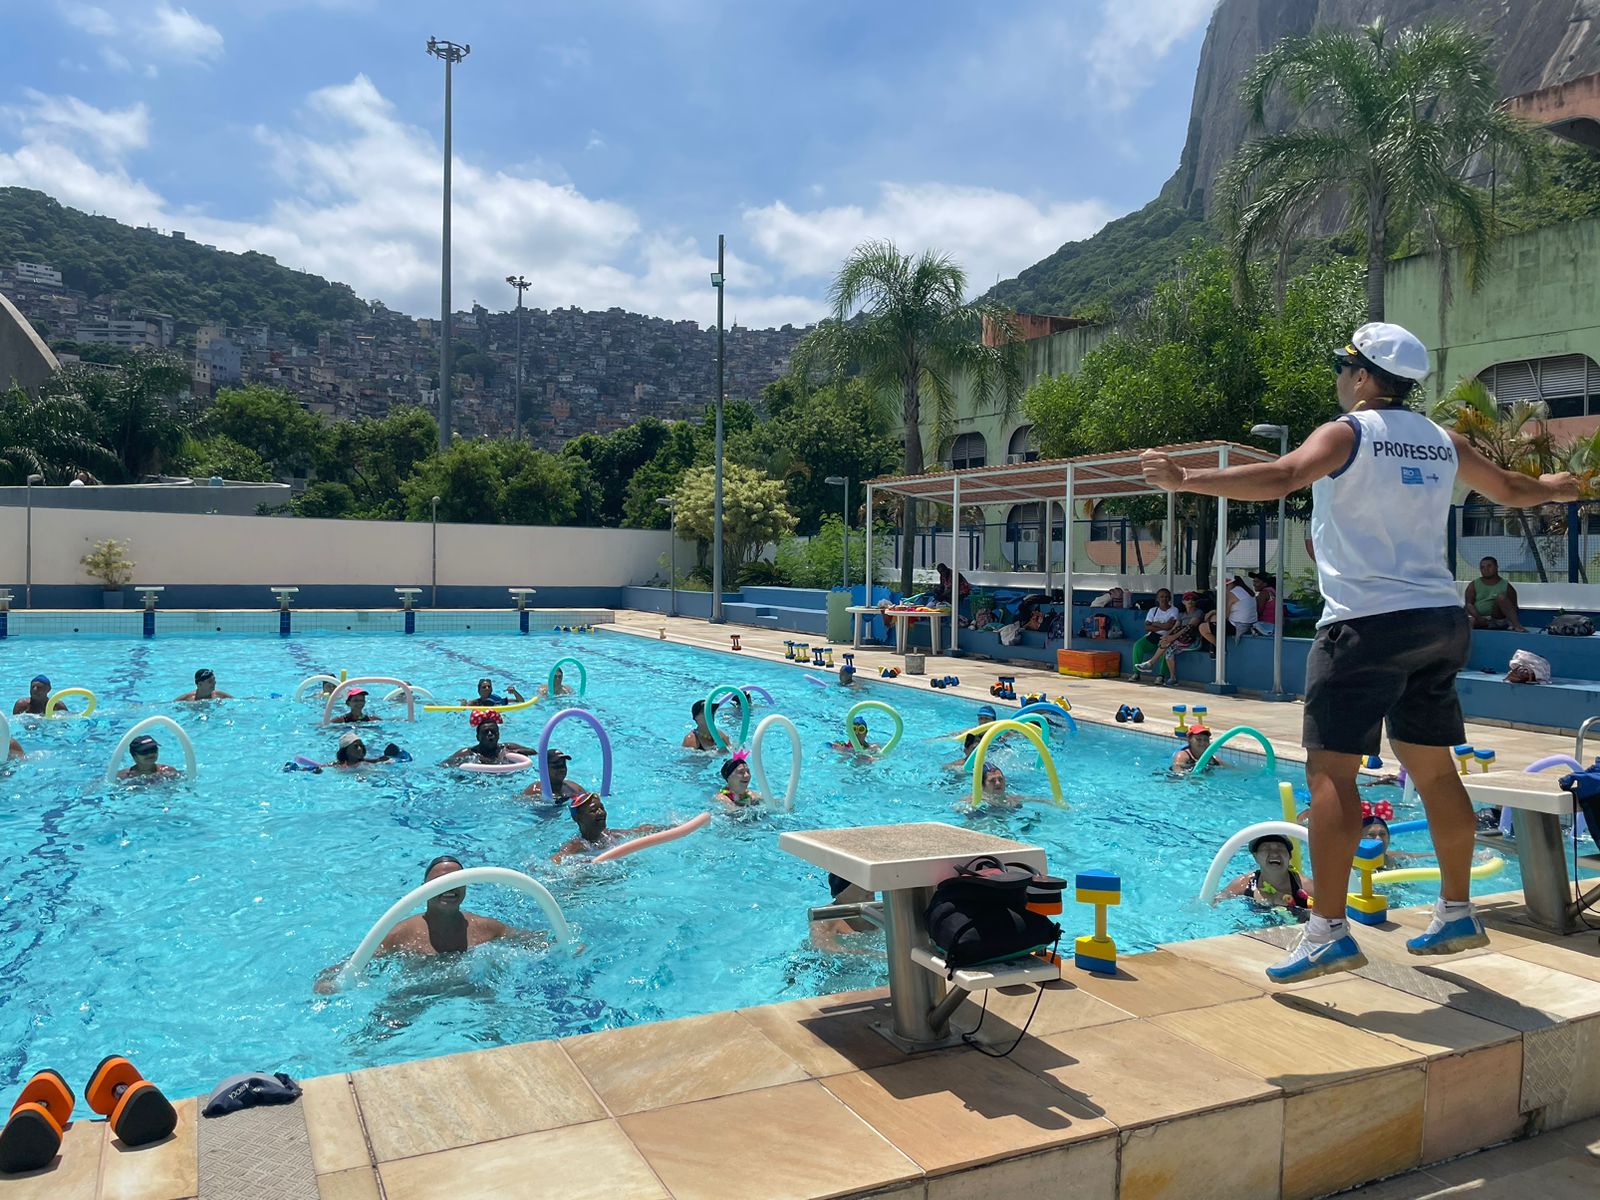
[(143, 744), (1196, 728), (346, 740), (1391, 348), (354, 692)]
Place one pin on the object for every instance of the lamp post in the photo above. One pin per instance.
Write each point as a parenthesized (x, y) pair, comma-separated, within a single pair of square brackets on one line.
[(451, 54), (671, 506), (844, 481), (436, 552), (717, 281), (522, 285), (1281, 432), (28, 598)]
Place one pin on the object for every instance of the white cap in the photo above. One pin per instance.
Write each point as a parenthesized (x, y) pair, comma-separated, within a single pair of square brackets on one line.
[(1391, 348)]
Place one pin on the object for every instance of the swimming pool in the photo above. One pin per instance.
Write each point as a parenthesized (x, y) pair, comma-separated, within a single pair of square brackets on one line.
[(183, 924)]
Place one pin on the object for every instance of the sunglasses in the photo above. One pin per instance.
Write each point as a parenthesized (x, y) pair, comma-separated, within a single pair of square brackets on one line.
[(1344, 363)]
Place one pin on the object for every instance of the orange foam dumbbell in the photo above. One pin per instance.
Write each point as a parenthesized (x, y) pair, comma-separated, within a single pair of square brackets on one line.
[(139, 1114), (32, 1135)]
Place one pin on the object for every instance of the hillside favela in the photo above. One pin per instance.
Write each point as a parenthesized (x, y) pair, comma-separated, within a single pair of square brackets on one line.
[(711, 601)]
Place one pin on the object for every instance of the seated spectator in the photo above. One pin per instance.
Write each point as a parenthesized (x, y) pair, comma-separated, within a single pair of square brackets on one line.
[(949, 586), (1266, 601), (1159, 621), (1528, 667), (1184, 636), (1242, 613), (1114, 598), (1491, 601)]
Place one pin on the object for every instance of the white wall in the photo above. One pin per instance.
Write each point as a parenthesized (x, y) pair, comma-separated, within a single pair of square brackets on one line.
[(174, 548)]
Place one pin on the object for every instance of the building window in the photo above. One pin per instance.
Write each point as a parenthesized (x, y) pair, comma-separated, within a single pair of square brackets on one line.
[(1024, 522), (1482, 518), (1568, 383), (1022, 447), (968, 450), (1103, 526)]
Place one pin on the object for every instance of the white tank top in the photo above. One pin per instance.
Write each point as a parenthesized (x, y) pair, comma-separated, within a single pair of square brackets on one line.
[(1378, 524)]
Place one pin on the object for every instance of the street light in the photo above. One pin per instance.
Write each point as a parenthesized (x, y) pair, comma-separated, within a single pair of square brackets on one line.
[(671, 506), (436, 552), (718, 280), (844, 481), (522, 285), (451, 54), (1281, 432), (32, 479)]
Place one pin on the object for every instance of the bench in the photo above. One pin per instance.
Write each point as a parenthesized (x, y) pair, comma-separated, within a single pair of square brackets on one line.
[(1561, 704)]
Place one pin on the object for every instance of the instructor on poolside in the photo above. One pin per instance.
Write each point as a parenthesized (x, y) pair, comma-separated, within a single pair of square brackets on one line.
[(1393, 633)]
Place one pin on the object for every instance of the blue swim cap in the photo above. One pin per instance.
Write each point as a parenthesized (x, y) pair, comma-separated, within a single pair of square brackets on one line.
[(986, 710), (44, 679)]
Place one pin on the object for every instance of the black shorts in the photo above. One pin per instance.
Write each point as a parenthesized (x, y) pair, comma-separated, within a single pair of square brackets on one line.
[(1400, 666)]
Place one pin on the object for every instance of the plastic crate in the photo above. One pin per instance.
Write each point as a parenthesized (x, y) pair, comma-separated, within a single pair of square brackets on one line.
[(1089, 664)]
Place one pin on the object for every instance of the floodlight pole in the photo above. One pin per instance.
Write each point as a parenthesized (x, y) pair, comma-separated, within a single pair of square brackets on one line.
[(522, 285), (718, 281), (451, 54)]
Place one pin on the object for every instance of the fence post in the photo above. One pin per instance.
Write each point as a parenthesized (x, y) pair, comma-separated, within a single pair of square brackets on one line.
[(1450, 542), (1261, 541), (1122, 538), (1574, 555)]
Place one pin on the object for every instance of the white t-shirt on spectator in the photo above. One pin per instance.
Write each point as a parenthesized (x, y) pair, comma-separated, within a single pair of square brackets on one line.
[(1242, 606), (1160, 616)]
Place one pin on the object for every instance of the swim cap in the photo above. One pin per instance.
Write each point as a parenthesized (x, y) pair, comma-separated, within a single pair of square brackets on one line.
[(443, 858), (727, 767), (44, 679), (204, 673), (986, 710), (859, 723), (837, 884), (143, 744)]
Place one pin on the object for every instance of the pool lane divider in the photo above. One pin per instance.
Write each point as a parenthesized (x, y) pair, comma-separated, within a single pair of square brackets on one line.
[(588, 718), (401, 908)]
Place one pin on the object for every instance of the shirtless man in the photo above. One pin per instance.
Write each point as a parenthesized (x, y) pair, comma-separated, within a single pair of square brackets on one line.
[(38, 695), (444, 927), (205, 688), (560, 785), (589, 811)]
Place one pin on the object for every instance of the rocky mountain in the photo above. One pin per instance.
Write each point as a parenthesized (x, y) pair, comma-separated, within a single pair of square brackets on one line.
[(1538, 43)]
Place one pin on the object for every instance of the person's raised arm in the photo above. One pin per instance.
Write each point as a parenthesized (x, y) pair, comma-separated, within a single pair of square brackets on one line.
[(1510, 488), (1327, 450)]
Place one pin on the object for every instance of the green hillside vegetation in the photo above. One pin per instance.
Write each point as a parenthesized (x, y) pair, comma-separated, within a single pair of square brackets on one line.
[(143, 269)]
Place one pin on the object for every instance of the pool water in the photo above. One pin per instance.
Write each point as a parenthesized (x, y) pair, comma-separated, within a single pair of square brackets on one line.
[(183, 923)]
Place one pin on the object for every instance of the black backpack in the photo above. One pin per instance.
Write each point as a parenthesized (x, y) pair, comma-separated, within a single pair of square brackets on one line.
[(1571, 625), (983, 916)]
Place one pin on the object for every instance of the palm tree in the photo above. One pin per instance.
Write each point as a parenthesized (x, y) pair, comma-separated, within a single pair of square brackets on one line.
[(46, 437), (1515, 437), (1386, 122), (904, 324)]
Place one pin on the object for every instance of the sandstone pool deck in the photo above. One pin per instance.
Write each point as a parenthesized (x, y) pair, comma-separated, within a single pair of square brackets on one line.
[(1187, 1075)]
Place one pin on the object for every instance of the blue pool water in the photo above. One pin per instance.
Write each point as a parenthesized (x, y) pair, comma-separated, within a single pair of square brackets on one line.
[(183, 923)]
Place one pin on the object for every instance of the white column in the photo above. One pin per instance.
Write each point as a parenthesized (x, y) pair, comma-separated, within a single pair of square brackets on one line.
[(1066, 566), (1045, 534), (1222, 580), (868, 598), (1172, 536), (955, 563)]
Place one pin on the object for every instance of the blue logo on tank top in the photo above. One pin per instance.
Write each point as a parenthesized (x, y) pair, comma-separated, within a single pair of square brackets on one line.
[(1411, 475)]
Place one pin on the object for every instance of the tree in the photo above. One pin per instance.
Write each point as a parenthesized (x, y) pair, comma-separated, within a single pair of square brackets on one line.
[(818, 561), (613, 459), (325, 500), (134, 411), (493, 483), (904, 325), (1514, 437), (375, 456), (220, 455), (1388, 123), (754, 511), (270, 422), (46, 437)]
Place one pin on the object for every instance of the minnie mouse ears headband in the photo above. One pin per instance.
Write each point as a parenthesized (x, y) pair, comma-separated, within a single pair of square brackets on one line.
[(1382, 810), (485, 717)]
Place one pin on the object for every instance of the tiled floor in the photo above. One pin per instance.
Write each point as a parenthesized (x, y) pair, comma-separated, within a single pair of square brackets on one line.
[(1186, 1075), (1183, 1076)]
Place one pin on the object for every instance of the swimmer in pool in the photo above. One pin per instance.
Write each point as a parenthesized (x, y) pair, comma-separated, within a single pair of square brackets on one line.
[(826, 935), (699, 738), (968, 745), (994, 789), (444, 927), (847, 676), (735, 792), (145, 753), (38, 695), (560, 785), (353, 753), (1374, 826), (488, 748), (986, 714), (589, 811), (205, 688), (356, 712), (1199, 737), (486, 695), (1272, 884), (561, 689), (868, 749), (17, 750)]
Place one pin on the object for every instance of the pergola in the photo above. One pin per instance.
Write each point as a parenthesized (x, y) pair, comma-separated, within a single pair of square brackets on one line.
[(1062, 481)]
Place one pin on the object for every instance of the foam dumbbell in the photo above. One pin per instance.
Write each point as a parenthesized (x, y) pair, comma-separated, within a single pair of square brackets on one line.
[(135, 1108), (32, 1135)]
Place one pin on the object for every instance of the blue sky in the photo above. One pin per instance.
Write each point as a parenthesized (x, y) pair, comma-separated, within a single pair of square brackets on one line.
[(601, 146)]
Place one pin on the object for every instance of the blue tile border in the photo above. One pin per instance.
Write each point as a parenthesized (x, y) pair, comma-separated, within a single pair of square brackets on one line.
[(140, 623)]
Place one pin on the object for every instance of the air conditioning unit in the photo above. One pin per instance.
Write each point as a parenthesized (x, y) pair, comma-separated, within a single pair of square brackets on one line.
[(1013, 459)]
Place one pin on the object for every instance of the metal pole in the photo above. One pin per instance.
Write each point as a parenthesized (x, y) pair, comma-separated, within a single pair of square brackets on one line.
[(522, 285), (1172, 535), (29, 580), (867, 594), (847, 532), (955, 565), (1066, 568), (1220, 682), (672, 554), (451, 54), (436, 552), (716, 519), (1277, 589)]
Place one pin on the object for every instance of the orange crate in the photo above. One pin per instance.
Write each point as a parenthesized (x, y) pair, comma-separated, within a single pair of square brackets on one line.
[(1089, 664)]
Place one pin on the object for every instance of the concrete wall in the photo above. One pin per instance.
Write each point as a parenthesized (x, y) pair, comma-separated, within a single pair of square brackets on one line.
[(1540, 300), (174, 548), (24, 358), (239, 499)]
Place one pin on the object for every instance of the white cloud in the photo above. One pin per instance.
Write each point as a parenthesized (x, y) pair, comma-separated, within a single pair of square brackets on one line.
[(179, 32), (90, 19), (991, 233), (1134, 36), (111, 132)]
